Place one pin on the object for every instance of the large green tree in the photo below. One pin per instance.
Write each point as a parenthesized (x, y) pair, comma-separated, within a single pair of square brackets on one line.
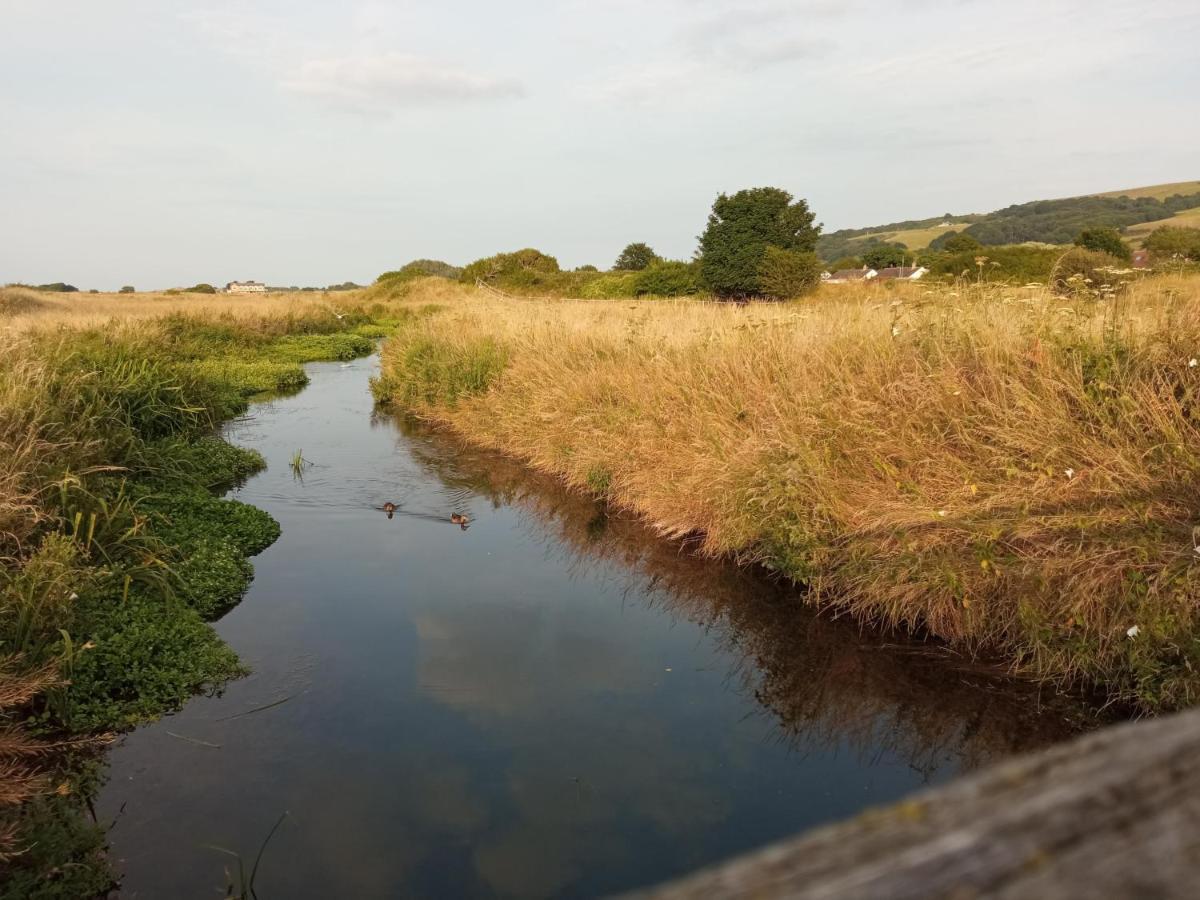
[(740, 229), (635, 258)]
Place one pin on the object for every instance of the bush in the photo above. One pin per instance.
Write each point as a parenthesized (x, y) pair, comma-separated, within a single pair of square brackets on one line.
[(739, 230), (1081, 270), (58, 287), (669, 278), (1170, 242), (419, 268), (520, 270), (201, 288), (1105, 240), (611, 285), (635, 258), (785, 274), (1017, 264), (127, 289)]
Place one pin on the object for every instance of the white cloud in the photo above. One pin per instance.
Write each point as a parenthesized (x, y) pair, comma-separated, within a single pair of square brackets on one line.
[(382, 80)]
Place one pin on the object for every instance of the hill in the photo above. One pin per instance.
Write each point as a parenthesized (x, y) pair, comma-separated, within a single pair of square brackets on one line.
[(1135, 211)]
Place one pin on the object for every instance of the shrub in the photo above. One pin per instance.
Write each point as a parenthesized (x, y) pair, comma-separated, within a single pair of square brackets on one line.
[(58, 287), (201, 288), (741, 227), (785, 274), (521, 269), (611, 285), (127, 289), (418, 268), (1105, 240), (635, 258), (1170, 242), (669, 278), (1082, 270), (1018, 264)]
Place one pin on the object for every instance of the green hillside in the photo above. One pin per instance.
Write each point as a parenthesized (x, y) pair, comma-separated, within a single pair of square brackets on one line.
[(1135, 211)]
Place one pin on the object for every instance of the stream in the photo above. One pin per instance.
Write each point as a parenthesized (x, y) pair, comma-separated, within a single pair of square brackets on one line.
[(552, 702)]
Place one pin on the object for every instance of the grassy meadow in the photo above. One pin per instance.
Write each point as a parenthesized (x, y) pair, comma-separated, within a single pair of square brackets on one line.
[(1014, 473), (115, 550)]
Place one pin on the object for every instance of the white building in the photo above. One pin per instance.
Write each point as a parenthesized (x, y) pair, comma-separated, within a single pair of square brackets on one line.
[(246, 287)]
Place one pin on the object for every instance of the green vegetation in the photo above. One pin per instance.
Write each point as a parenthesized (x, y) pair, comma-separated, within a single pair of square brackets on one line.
[(1020, 265), (1167, 243), (421, 268), (740, 229), (127, 289), (635, 258), (1084, 270), (668, 278), (201, 288), (57, 287), (881, 256), (1105, 240), (1041, 221), (787, 274), (117, 552)]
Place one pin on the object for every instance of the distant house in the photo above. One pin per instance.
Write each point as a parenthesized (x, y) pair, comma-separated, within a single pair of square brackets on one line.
[(246, 287), (844, 276), (1141, 259), (908, 273)]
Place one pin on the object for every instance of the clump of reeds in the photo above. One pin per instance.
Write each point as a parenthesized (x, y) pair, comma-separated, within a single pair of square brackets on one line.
[(1002, 468)]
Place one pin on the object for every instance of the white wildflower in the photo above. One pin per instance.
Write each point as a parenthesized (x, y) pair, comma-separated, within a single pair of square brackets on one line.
[(895, 331), (1070, 473), (1133, 632), (1193, 362)]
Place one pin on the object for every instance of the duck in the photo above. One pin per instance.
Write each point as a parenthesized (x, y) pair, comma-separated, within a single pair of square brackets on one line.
[(460, 520), (389, 508)]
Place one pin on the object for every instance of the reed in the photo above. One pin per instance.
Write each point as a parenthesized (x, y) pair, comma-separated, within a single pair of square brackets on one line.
[(1000, 468)]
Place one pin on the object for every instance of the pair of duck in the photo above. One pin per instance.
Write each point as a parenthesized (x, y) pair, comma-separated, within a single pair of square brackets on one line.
[(462, 521)]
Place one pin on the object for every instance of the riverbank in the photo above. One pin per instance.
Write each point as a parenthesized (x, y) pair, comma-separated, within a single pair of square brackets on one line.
[(116, 550), (1007, 471)]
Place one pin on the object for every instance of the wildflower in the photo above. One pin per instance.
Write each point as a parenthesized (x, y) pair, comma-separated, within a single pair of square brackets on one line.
[(895, 331), (1133, 632), (1193, 362), (1070, 473), (942, 512)]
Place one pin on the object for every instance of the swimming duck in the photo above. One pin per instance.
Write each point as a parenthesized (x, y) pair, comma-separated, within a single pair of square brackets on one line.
[(460, 520), (389, 508)]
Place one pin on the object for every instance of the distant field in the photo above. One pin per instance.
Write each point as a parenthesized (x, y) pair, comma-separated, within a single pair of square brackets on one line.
[(1157, 191), (1187, 218), (916, 238)]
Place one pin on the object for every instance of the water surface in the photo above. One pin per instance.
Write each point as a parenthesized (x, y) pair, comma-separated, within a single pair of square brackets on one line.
[(549, 703)]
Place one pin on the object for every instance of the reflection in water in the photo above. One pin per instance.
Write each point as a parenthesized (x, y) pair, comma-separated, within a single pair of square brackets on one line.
[(550, 703), (828, 681)]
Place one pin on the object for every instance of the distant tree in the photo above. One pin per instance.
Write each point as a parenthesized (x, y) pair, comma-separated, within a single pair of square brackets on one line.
[(881, 256), (740, 229), (528, 268), (127, 289), (420, 268), (846, 262), (57, 287), (636, 257), (202, 288), (1169, 242), (787, 274), (1105, 240), (587, 268), (954, 242)]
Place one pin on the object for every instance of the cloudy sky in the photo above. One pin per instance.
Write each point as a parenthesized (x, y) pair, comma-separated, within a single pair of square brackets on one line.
[(159, 143)]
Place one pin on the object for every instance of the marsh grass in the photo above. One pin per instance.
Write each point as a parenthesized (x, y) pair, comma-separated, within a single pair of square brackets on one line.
[(1009, 471), (114, 552)]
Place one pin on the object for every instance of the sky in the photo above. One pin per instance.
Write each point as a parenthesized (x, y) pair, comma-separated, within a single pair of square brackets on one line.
[(161, 143)]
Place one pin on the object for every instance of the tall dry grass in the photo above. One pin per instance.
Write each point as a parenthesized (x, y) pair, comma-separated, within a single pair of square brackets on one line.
[(1004, 469)]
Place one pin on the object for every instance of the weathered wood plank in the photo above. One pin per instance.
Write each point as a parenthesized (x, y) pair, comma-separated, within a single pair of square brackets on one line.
[(1112, 814)]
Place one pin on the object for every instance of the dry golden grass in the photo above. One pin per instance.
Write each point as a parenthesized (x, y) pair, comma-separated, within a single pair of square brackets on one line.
[(1004, 469), (1185, 218), (1157, 191), (22, 309)]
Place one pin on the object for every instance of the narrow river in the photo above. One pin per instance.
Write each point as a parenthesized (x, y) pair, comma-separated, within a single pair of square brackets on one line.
[(549, 703)]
